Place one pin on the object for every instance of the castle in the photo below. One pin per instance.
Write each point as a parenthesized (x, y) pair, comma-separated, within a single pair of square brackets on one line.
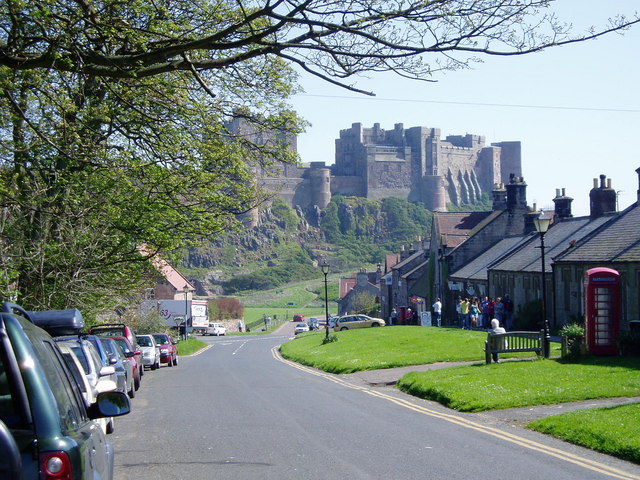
[(414, 163)]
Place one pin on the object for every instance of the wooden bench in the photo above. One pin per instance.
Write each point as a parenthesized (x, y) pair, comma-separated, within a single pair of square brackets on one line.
[(513, 342)]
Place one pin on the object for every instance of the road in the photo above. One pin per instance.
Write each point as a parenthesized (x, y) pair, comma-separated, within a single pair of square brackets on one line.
[(239, 411)]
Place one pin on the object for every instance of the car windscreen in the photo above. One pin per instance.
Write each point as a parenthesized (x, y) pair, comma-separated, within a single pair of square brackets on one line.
[(144, 341)]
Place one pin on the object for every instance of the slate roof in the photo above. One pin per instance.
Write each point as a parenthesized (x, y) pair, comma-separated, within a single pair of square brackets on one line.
[(560, 236), (409, 259), (457, 226), (476, 269), (618, 241)]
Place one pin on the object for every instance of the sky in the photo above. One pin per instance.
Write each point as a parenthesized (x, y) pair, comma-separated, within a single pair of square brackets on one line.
[(575, 109)]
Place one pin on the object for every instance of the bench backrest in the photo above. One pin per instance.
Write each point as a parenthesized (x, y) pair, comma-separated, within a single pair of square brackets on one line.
[(515, 341)]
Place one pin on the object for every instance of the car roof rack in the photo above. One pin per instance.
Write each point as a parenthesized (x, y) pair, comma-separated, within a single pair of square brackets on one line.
[(54, 322)]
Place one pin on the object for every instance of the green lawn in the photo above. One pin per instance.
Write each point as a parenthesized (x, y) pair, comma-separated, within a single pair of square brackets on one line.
[(373, 348), (477, 387)]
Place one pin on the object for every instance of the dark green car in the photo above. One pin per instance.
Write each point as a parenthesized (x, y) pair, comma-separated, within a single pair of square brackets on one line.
[(42, 406)]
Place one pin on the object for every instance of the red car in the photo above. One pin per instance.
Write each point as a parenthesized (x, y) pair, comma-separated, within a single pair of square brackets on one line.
[(168, 349), (135, 357)]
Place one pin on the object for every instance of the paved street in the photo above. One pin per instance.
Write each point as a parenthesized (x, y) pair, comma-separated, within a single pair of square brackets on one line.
[(239, 411)]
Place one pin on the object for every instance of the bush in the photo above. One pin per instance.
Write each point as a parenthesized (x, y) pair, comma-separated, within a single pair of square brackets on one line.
[(574, 334)]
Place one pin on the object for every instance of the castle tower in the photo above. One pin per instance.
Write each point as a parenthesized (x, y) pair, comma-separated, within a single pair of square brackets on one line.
[(320, 185), (434, 194), (602, 199)]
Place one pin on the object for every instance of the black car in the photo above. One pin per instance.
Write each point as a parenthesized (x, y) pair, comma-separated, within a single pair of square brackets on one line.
[(42, 405)]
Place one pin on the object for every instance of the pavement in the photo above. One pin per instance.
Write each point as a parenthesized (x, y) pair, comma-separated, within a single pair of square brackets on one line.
[(387, 378)]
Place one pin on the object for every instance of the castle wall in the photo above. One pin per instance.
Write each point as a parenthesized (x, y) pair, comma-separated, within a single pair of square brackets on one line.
[(348, 186)]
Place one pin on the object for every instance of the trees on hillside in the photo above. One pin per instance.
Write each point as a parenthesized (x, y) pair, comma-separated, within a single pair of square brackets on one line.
[(113, 118)]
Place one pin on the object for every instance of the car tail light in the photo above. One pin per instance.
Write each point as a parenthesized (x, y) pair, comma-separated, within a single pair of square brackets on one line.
[(55, 466)]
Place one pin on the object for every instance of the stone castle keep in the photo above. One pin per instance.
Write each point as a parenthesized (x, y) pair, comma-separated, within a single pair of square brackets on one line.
[(414, 163)]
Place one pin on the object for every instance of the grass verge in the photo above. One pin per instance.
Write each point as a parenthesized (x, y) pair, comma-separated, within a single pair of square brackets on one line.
[(610, 430), (520, 384), (190, 346)]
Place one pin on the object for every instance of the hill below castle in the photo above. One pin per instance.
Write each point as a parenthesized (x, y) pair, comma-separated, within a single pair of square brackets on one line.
[(287, 245)]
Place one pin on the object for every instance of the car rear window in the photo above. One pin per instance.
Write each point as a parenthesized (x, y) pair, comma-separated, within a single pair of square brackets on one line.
[(8, 412)]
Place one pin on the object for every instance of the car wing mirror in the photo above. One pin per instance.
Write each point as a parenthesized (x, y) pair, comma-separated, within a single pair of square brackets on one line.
[(138, 352), (110, 404), (108, 370)]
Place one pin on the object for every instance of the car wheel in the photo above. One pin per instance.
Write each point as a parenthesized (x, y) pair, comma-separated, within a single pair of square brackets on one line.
[(154, 366), (132, 392), (136, 383), (141, 371), (170, 362), (343, 328), (110, 427), (175, 360), (375, 324)]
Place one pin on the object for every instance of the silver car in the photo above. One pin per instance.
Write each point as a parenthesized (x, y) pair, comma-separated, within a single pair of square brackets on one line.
[(123, 366), (150, 351)]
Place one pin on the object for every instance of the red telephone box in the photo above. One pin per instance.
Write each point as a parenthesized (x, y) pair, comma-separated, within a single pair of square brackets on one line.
[(602, 310)]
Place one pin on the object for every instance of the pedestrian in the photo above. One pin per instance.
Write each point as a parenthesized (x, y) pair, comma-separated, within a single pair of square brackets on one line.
[(498, 310), (474, 311), (484, 313), (437, 311), (508, 312), (393, 319), (414, 317), (240, 325), (464, 311), (459, 312), (496, 328)]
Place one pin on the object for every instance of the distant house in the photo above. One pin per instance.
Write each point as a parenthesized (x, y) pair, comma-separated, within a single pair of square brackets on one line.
[(171, 284), (362, 282)]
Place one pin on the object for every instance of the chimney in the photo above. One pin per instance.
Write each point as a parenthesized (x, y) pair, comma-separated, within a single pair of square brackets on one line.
[(638, 192), (563, 204), (500, 196), (532, 213), (602, 199), (516, 194)]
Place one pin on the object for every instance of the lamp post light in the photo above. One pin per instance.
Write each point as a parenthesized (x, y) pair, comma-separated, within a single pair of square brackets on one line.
[(541, 223), (185, 290), (325, 271)]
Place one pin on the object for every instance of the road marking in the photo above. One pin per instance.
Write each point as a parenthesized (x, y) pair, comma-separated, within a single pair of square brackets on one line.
[(238, 349), (466, 423)]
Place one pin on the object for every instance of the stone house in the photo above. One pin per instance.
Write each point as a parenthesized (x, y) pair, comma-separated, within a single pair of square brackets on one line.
[(404, 284), (616, 245), (362, 283), (457, 239)]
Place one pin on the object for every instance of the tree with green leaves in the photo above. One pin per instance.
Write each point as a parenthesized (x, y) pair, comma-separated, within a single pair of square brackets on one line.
[(114, 118)]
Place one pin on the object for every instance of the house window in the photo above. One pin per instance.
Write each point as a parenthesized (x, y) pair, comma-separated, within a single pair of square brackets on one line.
[(150, 294)]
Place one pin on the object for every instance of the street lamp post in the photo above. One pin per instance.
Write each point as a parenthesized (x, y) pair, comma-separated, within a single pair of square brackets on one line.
[(541, 223), (185, 290), (325, 271)]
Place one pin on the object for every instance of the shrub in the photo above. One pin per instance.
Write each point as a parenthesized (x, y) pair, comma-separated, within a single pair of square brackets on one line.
[(574, 334)]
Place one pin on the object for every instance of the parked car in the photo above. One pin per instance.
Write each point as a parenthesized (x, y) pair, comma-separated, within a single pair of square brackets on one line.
[(216, 329), (348, 322), (90, 360), (150, 351), (301, 327), (134, 356), (298, 317), (42, 406), (89, 392), (114, 330), (120, 330), (123, 366), (168, 349)]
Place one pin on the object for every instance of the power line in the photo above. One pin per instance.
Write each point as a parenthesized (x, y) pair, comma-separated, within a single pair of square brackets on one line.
[(477, 104)]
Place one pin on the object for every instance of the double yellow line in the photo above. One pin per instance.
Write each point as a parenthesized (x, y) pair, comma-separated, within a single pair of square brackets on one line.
[(466, 423)]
